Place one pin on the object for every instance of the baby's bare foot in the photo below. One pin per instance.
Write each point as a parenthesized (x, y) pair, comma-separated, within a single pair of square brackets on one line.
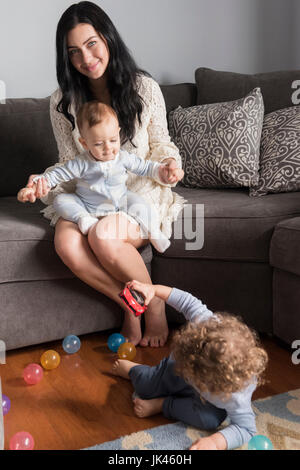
[(121, 367), (156, 330), (145, 408)]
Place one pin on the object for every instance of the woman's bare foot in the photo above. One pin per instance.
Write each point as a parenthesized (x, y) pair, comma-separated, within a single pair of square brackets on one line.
[(131, 328), (121, 367), (145, 408), (156, 330)]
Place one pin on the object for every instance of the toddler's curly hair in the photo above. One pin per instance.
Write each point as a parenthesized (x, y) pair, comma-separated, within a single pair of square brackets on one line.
[(220, 355)]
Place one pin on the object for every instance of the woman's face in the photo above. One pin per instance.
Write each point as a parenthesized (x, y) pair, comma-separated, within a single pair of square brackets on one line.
[(88, 51)]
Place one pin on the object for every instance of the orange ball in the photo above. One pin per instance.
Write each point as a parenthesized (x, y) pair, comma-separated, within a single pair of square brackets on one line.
[(50, 359), (127, 351)]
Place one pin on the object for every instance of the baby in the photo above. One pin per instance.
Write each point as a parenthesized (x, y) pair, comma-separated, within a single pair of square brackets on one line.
[(215, 366), (101, 174)]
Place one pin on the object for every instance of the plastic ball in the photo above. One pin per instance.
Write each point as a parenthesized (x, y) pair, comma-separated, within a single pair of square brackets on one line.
[(5, 404), (32, 374), (127, 351), (71, 344), (21, 441), (114, 341), (260, 442), (50, 359)]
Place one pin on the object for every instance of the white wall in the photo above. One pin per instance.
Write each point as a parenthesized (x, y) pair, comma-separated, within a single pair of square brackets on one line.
[(169, 38)]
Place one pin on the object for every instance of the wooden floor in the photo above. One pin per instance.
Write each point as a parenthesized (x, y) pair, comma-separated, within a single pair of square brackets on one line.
[(81, 404)]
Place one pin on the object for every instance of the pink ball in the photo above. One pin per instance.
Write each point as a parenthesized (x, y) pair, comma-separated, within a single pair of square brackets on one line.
[(21, 441), (32, 374)]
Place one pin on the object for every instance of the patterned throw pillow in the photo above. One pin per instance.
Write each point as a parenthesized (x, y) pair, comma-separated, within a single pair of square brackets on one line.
[(280, 153), (219, 143)]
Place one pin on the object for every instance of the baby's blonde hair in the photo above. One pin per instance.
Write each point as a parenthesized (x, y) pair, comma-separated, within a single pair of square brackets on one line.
[(221, 355), (94, 112)]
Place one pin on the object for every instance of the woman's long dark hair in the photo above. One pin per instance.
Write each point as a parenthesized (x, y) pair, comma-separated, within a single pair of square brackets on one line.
[(121, 71)]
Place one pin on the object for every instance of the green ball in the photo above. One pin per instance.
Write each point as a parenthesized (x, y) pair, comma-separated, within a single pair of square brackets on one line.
[(260, 442)]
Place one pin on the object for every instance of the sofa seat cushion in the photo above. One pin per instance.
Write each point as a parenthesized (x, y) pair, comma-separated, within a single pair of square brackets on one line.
[(26, 244), (236, 226), (285, 246)]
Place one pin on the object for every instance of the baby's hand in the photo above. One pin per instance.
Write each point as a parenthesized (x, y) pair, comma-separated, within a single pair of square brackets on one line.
[(147, 290), (170, 174), (27, 194), (41, 186)]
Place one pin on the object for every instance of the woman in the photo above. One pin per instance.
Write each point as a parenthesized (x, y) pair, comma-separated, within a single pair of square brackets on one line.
[(94, 63)]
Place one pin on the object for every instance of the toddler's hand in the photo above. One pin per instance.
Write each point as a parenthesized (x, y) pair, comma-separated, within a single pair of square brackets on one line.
[(205, 443), (26, 194), (147, 290), (170, 174)]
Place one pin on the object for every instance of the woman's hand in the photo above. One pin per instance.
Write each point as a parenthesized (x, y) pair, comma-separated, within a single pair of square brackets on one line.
[(42, 188), (147, 290), (26, 194), (169, 173)]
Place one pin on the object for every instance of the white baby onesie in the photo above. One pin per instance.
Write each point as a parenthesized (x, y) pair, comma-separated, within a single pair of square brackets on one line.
[(101, 190)]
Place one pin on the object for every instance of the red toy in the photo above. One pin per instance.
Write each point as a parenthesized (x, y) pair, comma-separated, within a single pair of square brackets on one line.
[(134, 301)]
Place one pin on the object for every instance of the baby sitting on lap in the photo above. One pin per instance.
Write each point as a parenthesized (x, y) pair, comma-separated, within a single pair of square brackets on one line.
[(101, 174)]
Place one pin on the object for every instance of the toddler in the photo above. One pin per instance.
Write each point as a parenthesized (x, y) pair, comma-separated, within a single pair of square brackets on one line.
[(215, 365), (101, 174)]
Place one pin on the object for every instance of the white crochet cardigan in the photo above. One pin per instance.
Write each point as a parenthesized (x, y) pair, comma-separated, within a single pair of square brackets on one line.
[(152, 142)]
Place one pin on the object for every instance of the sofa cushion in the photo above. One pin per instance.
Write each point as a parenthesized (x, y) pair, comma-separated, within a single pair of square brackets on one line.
[(181, 94), (216, 86), (280, 153), (219, 143), (26, 244), (285, 246), (236, 227), (27, 142)]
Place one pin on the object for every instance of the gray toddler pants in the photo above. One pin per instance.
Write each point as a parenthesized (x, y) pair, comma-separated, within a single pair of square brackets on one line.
[(182, 401)]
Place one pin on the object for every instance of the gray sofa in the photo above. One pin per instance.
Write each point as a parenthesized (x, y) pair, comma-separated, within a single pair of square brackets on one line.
[(249, 264)]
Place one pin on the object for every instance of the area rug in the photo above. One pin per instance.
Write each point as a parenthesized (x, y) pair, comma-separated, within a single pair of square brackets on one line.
[(277, 417)]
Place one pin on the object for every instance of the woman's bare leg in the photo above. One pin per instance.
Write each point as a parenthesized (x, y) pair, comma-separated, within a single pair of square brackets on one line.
[(74, 250), (115, 240), (156, 326)]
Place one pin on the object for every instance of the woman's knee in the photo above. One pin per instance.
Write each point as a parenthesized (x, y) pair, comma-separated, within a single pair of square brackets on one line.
[(106, 249), (106, 240)]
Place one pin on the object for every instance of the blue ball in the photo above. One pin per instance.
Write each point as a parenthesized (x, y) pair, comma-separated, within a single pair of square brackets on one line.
[(114, 341), (260, 442), (71, 344)]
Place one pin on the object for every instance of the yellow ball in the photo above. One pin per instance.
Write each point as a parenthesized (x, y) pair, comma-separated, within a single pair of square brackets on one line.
[(127, 351), (50, 359)]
